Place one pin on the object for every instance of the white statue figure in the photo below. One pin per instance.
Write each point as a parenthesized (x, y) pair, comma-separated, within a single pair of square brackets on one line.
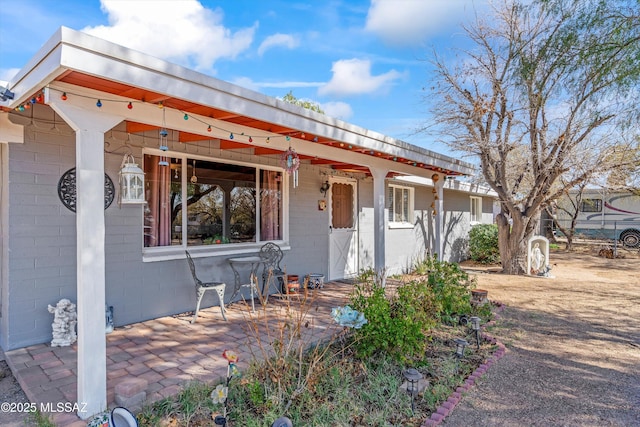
[(109, 319), (64, 323), (537, 259)]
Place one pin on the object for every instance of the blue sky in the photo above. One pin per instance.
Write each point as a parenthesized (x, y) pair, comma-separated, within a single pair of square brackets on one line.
[(363, 61)]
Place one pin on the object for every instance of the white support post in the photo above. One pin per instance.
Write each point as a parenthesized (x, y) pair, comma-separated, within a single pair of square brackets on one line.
[(379, 256), (9, 131), (438, 183), (90, 127)]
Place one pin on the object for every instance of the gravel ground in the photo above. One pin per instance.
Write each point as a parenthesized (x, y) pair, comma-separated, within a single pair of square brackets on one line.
[(573, 347), (10, 392)]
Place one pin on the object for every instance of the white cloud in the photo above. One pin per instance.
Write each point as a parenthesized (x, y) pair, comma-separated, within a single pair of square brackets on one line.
[(246, 82), (180, 31), (339, 110), (6, 74), (353, 77), (410, 22), (279, 39)]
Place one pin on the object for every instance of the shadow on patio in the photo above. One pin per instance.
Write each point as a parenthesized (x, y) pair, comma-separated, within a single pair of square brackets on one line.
[(167, 352)]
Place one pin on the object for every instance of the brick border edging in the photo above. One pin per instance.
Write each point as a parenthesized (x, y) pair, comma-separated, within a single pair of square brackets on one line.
[(449, 405)]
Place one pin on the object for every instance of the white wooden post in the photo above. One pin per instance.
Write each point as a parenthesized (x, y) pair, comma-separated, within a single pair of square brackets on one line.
[(438, 183), (379, 176), (90, 127)]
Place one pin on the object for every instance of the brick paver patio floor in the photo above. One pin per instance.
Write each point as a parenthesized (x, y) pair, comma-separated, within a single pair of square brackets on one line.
[(168, 352)]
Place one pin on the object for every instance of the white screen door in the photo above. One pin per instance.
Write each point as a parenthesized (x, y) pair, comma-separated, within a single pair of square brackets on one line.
[(343, 237)]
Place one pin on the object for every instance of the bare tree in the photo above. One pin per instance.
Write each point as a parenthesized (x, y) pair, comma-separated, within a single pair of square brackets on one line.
[(569, 206), (545, 93)]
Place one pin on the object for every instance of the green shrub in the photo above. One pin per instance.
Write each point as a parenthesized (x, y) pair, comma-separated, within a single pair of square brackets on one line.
[(396, 324), (483, 243), (451, 288)]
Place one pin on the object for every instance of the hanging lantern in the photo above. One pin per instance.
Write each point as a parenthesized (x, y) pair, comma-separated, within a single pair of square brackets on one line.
[(131, 182)]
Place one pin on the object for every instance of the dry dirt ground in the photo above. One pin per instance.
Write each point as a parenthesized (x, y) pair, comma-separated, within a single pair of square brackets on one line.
[(573, 347)]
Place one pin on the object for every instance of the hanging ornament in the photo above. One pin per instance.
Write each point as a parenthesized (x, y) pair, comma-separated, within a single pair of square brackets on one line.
[(194, 178), (130, 106), (291, 163), (163, 140)]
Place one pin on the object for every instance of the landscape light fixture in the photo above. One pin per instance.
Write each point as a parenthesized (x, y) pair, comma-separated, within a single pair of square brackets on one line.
[(324, 188), (460, 345), (413, 376), (475, 325), (282, 422)]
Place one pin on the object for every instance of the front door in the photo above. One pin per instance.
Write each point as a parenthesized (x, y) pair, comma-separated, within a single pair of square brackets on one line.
[(343, 236)]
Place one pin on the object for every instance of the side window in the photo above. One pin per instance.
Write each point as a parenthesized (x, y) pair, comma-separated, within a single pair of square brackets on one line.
[(476, 209), (591, 205), (400, 204)]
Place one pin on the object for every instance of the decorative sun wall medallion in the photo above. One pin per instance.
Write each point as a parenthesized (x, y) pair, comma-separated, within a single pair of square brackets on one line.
[(67, 190)]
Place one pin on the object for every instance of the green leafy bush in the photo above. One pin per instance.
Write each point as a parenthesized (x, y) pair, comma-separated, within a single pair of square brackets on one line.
[(483, 243), (397, 323), (451, 288)]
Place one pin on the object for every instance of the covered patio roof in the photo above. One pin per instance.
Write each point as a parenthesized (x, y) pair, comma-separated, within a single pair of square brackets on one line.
[(85, 67)]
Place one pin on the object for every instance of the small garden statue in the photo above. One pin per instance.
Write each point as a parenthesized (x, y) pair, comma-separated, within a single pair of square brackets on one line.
[(108, 313), (64, 323), (537, 259)]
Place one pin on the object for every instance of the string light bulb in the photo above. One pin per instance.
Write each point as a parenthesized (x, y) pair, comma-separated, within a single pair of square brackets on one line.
[(130, 106), (64, 96)]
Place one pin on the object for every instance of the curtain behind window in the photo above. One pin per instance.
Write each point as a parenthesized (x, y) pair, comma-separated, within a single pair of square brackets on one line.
[(158, 211), (270, 206)]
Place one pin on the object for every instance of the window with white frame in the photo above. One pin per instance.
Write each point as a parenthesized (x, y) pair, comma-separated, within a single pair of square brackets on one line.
[(400, 204), (476, 209), (197, 201)]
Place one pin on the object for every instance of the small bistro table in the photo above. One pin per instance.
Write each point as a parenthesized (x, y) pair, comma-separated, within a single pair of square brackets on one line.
[(254, 262)]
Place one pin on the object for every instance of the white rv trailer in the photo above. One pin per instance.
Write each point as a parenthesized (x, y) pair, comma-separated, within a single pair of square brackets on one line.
[(605, 215)]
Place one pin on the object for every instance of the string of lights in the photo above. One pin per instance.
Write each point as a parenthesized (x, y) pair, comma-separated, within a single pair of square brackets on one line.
[(208, 126), (99, 102)]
